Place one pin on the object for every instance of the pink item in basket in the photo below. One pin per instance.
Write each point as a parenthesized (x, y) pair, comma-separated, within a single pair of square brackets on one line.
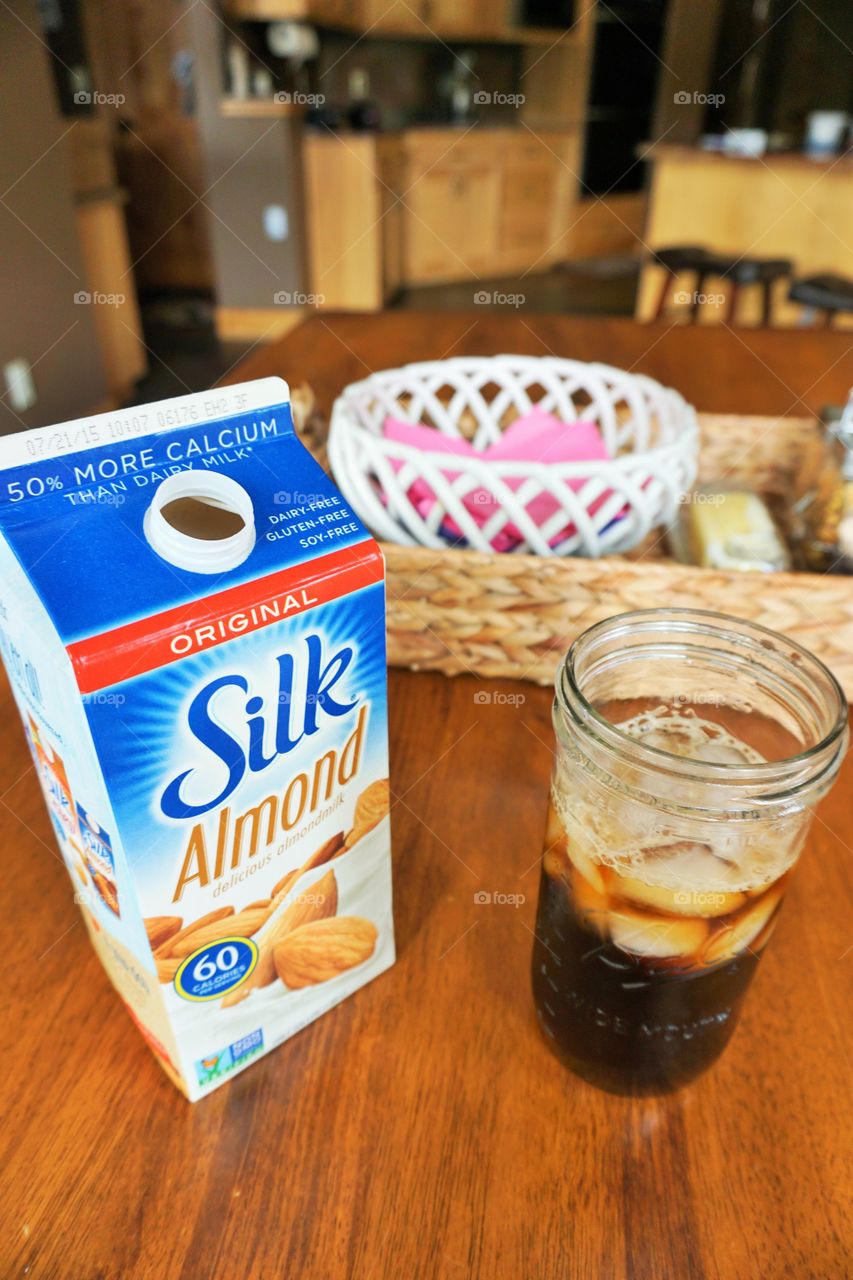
[(540, 437), (535, 437)]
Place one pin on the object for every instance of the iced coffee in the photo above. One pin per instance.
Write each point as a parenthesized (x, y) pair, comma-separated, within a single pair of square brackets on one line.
[(677, 815)]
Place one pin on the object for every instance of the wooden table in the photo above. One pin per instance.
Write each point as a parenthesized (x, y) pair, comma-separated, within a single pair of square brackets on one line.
[(423, 1130)]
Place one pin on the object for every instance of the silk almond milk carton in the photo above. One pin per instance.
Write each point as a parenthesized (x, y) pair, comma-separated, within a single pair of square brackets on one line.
[(192, 621)]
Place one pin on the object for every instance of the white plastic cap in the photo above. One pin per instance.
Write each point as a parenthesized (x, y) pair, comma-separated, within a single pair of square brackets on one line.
[(201, 555)]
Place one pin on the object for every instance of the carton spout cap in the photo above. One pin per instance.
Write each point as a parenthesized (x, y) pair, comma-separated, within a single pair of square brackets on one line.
[(201, 521)]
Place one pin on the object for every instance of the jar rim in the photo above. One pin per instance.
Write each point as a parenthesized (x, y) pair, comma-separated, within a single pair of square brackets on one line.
[(816, 760)]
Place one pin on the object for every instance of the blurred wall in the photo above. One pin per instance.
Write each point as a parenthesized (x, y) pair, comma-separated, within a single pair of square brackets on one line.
[(40, 263)]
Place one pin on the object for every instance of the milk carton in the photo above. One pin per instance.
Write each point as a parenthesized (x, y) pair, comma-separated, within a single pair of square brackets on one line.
[(192, 621)]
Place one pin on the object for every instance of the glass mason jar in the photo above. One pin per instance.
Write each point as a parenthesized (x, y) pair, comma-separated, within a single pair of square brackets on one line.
[(691, 751)]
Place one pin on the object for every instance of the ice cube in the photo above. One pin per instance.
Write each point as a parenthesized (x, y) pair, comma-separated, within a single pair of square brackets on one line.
[(692, 866), (656, 937), (736, 936), (590, 904), (555, 861), (686, 901), (585, 864)]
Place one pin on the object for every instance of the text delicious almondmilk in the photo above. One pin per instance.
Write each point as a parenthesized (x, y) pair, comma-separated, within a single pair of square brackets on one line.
[(193, 624)]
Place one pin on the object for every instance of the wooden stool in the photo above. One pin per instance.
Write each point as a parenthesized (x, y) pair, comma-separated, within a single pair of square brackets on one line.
[(828, 293), (742, 272), (675, 260)]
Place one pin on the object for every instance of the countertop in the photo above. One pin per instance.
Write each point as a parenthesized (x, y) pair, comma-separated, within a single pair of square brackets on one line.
[(692, 154)]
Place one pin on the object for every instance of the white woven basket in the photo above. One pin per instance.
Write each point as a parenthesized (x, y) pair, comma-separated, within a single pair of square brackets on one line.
[(650, 431)]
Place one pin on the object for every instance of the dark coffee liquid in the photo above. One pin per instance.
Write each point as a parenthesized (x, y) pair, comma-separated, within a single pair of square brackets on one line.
[(627, 1023)]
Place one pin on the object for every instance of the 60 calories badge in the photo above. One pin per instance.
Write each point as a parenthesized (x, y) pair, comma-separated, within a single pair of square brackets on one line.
[(216, 969)]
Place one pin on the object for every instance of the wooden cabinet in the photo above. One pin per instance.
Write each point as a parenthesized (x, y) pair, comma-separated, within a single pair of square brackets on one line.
[(451, 223), (109, 284), (466, 18), (404, 17), (487, 202), (400, 17), (435, 205), (342, 208), (528, 194)]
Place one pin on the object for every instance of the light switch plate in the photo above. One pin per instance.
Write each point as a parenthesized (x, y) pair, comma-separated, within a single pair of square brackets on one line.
[(276, 222)]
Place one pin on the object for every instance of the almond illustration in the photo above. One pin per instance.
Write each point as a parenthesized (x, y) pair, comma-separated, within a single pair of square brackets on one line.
[(167, 967), (242, 925), (328, 850), (370, 808), (165, 948), (325, 853), (324, 949), (281, 887), (161, 928), (318, 902)]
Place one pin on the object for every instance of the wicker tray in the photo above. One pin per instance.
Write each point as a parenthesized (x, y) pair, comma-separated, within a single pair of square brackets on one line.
[(515, 615)]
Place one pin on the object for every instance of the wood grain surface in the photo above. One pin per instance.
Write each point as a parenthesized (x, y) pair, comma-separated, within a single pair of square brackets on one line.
[(423, 1130), (720, 370)]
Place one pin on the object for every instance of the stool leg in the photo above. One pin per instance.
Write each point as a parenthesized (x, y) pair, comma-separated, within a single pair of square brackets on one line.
[(828, 317), (663, 295), (767, 303), (731, 310), (699, 290)]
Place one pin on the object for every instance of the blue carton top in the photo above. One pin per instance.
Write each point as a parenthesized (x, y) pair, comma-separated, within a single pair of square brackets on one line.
[(73, 503)]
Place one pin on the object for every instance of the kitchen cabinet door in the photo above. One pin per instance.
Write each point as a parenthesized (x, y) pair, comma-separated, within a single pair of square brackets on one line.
[(527, 208), (452, 225)]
